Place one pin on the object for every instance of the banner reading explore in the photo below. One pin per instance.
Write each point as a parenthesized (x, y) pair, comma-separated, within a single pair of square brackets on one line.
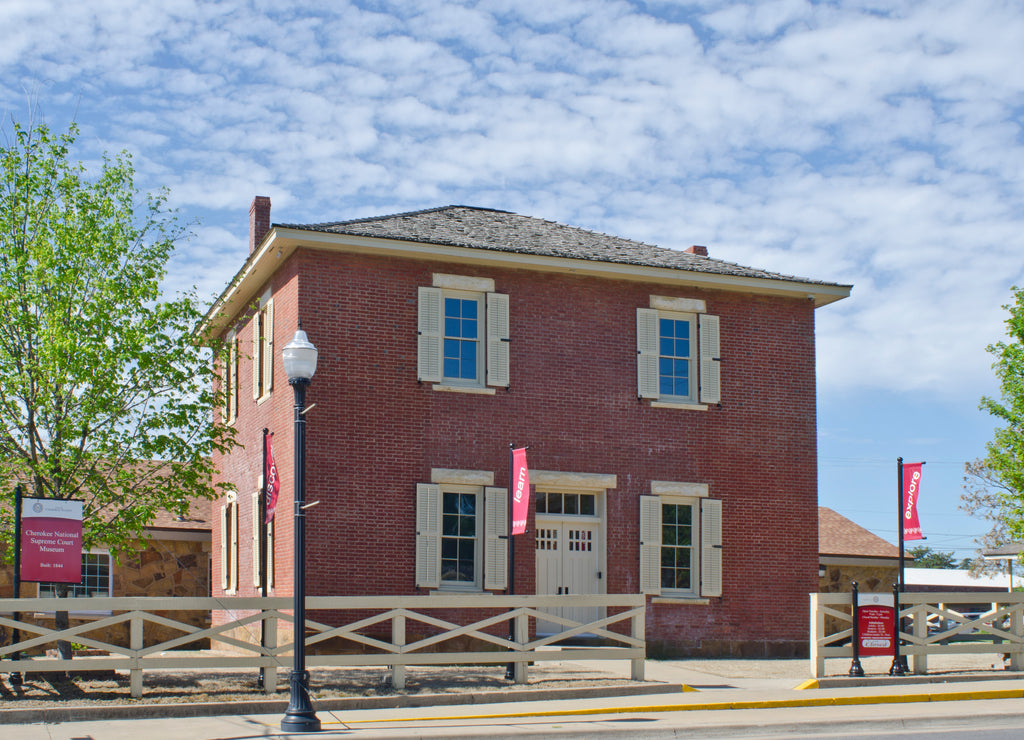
[(911, 493), (51, 540)]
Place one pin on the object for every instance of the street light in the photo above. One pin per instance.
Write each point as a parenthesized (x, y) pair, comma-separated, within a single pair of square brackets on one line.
[(299, 365)]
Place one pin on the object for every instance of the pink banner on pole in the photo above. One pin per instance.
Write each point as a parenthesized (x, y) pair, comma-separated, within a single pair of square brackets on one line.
[(51, 540), (272, 480), (911, 493), (520, 491)]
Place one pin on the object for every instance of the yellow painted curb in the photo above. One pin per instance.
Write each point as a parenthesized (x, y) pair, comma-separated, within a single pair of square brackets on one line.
[(689, 688), (810, 683), (818, 701)]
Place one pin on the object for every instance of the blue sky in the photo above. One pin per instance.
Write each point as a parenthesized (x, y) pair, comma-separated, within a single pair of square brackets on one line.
[(872, 143)]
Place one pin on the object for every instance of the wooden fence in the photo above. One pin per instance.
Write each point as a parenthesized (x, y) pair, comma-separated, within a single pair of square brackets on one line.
[(438, 617), (947, 623)]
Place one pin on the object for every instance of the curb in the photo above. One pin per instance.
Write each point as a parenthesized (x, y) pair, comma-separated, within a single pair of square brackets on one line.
[(745, 704), (842, 682), (85, 713)]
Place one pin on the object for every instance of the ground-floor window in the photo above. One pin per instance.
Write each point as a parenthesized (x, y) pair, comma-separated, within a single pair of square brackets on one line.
[(680, 545), (96, 579)]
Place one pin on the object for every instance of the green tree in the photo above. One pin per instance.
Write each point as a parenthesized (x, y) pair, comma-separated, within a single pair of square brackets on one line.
[(105, 396), (1004, 459), (983, 498), (926, 557)]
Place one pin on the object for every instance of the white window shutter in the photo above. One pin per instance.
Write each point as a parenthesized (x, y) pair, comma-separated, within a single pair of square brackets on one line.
[(497, 340), (428, 535), (225, 551), (710, 547), (428, 367), (268, 354), (710, 353), (495, 538), (233, 575), (650, 545), (257, 352), (255, 547), (270, 555), (647, 353)]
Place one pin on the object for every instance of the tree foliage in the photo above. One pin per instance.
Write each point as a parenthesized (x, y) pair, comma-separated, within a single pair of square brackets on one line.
[(104, 394), (1004, 459), (983, 498), (926, 557)]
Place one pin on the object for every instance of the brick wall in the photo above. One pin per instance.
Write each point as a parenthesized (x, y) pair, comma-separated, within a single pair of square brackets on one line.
[(376, 432)]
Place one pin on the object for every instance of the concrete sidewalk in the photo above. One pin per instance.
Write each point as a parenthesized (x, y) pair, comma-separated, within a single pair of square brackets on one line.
[(691, 686)]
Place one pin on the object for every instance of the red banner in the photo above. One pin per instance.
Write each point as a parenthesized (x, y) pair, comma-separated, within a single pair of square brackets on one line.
[(271, 481), (911, 493), (876, 625), (520, 491), (51, 540)]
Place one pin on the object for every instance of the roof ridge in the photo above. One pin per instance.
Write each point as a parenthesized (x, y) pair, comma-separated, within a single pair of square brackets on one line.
[(402, 214)]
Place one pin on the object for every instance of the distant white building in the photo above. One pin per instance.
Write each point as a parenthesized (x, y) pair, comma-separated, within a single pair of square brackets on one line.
[(940, 579)]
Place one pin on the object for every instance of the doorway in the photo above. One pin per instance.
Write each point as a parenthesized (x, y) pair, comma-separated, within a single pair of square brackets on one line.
[(568, 554)]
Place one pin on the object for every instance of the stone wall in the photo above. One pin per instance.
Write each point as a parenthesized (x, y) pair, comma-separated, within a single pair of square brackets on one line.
[(163, 567)]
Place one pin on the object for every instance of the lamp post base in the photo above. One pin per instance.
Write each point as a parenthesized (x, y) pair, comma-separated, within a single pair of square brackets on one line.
[(299, 717)]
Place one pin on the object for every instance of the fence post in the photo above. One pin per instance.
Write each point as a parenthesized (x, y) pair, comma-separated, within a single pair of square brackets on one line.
[(817, 632), (638, 626), (135, 643), (269, 645), (1017, 630), (921, 639), (521, 623), (398, 640)]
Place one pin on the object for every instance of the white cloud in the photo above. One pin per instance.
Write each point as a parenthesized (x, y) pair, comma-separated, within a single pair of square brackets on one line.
[(854, 142)]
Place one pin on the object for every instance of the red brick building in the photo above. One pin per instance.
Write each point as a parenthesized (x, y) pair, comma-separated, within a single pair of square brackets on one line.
[(667, 398)]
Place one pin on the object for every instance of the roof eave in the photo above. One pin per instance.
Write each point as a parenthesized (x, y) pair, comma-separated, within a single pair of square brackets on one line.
[(280, 242)]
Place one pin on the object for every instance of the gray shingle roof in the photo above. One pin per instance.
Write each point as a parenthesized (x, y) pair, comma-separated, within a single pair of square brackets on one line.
[(484, 228)]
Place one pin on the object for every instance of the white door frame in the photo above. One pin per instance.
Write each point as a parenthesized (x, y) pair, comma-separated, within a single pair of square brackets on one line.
[(563, 522)]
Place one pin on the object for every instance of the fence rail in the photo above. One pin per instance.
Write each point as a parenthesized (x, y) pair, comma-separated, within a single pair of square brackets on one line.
[(947, 623), (503, 637)]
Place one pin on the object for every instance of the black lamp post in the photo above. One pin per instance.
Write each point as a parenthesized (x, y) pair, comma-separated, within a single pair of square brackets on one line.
[(299, 365)]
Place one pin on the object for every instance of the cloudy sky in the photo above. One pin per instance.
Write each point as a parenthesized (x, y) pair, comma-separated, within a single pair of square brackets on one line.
[(876, 143)]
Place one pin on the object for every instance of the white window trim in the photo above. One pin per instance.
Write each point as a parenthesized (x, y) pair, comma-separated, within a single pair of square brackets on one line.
[(255, 541), (492, 342), (706, 542), (229, 544), (491, 544), (229, 380), (110, 586), (705, 371), (263, 349)]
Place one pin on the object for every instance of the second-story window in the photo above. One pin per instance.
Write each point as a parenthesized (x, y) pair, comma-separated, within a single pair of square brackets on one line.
[(463, 335), (263, 349)]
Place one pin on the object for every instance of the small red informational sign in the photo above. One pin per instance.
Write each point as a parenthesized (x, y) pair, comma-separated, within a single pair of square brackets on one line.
[(876, 624), (51, 540)]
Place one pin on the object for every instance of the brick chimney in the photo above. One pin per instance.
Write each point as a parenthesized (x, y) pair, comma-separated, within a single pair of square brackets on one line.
[(699, 251), (259, 221)]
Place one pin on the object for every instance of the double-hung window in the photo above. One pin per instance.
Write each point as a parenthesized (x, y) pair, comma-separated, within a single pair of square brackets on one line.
[(460, 537), (229, 544), (463, 334), (678, 352), (229, 380), (680, 541), (263, 349)]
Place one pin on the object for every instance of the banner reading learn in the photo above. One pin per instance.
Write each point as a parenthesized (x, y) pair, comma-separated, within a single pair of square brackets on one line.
[(51, 540), (520, 491)]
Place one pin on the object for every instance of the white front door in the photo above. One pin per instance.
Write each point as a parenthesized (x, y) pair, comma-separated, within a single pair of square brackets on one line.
[(568, 562)]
